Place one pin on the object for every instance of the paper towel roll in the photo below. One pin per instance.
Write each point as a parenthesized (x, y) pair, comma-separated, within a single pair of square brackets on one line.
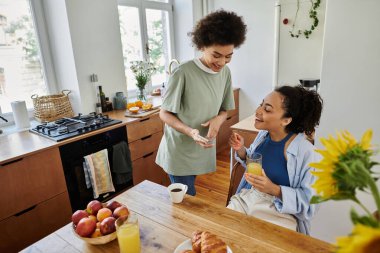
[(20, 114)]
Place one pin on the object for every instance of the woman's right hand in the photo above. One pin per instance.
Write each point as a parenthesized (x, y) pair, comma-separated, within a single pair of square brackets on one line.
[(202, 141), (236, 141)]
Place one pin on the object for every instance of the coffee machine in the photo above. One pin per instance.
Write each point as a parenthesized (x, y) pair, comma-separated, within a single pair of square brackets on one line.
[(310, 84)]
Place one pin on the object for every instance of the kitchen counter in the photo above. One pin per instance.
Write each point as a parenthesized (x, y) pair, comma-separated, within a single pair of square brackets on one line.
[(17, 145), (246, 124), (24, 143)]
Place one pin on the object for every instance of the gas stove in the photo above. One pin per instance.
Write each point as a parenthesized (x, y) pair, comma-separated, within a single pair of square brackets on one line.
[(66, 128)]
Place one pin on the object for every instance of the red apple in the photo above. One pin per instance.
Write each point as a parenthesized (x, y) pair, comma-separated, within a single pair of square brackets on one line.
[(107, 226), (112, 205), (93, 207), (103, 213), (120, 211), (78, 215), (93, 217), (86, 227)]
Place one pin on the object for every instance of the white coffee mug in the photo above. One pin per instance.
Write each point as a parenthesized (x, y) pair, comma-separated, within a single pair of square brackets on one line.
[(177, 191)]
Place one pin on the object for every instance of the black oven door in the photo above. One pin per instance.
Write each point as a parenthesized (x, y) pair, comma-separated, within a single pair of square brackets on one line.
[(72, 155)]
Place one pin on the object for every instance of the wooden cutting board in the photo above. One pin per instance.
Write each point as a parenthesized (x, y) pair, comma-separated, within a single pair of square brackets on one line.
[(141, 113)]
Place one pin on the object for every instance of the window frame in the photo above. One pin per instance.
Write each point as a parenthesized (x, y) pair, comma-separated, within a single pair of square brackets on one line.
[(142, 5), (38, 18)]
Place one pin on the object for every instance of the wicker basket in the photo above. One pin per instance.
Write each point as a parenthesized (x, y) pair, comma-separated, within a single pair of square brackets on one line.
[(52, 107)]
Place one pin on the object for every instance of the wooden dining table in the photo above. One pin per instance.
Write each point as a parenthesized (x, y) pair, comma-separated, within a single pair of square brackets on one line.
[(165, 225)]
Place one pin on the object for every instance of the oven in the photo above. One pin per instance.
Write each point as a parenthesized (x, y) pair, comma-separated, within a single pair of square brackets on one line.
[(72, 155)]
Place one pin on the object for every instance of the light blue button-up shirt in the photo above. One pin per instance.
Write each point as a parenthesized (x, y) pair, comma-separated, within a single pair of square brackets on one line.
[(296, 198)]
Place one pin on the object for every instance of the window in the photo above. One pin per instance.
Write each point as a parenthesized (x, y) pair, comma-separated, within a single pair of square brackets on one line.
[(21, 72), (146, 34)]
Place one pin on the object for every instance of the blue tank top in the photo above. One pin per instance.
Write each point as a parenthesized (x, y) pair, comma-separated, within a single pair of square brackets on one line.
[(274, 162)]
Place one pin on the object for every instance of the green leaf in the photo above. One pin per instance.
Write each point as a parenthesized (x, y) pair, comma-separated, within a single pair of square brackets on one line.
[(317, 199), (365, 220)]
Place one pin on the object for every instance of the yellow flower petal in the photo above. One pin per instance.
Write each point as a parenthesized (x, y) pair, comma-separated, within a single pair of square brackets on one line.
[(366, 139), (328, 156), (362, 240), (350, 139)]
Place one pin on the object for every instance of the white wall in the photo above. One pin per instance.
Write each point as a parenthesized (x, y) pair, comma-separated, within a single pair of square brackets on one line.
[(86, 39), (252, 63), (351, 88), (61, 50), (183, 17), (299, 58), (95, 34)]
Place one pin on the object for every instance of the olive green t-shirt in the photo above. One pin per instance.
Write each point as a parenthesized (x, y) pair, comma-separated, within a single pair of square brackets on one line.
[(194, 96)]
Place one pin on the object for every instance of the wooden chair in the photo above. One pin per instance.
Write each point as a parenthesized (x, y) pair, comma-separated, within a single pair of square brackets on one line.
[(236, 176)]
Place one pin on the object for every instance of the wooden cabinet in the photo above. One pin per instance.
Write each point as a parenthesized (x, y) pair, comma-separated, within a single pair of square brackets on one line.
[(34, 199), (144, 137), (225, 129)]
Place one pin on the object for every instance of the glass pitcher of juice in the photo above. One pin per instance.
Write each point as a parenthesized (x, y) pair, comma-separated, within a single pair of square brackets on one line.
[(128, 234)]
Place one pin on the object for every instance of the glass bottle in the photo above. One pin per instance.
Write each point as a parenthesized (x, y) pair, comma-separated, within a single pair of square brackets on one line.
[(98, 104), (102, 99)]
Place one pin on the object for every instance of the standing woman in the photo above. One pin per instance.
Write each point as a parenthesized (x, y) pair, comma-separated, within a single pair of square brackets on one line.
[(199, 94)]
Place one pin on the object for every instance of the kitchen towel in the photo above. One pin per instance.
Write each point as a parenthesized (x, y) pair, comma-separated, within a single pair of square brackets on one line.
[(99, 172), (20, 114), (122, 164)]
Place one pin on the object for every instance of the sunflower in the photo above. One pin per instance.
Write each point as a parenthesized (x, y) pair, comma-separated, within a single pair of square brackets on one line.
[(362, 240), (338, 169)]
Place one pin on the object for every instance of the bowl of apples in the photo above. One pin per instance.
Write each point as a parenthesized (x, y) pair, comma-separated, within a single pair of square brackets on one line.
[(96, 224)]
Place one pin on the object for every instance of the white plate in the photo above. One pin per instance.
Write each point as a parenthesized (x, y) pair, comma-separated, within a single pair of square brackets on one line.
[(186, 245)]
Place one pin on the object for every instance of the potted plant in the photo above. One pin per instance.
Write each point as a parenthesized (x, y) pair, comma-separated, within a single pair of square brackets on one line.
[(142, 71)]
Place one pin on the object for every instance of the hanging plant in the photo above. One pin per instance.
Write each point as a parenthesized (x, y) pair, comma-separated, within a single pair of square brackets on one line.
[(313, 16)]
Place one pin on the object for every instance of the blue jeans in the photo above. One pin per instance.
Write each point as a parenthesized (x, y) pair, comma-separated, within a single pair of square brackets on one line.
[(187, 180)]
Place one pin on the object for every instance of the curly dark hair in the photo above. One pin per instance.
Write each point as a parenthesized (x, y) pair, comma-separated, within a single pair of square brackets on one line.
[(303, 106), (219, 28)]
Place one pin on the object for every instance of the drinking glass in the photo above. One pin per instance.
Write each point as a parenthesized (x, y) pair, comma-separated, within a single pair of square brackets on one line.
[(128, 234), (254, 164)]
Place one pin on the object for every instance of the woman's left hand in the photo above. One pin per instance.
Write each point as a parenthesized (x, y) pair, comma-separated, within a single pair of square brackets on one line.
[(213, 126), (263, 184)]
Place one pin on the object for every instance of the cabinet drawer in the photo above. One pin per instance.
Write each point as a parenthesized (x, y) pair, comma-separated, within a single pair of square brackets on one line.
[(144, 127), (30, 180), (18, 232), (145, 145), (225, 132), (236, 110), (145, 168)]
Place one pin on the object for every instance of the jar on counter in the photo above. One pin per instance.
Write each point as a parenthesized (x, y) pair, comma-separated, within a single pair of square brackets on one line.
[(119, 101)]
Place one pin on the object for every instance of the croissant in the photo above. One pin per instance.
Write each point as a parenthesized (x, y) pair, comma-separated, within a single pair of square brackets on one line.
[(210, 243), (196, 241)]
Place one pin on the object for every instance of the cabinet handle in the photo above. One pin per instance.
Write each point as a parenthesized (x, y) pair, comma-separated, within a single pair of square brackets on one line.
[(228, 118), (25, 211), (146, 137), (145, 156), (14, 161)]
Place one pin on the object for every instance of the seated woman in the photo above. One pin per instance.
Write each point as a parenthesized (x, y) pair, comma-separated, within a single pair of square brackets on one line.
[(282, 193)]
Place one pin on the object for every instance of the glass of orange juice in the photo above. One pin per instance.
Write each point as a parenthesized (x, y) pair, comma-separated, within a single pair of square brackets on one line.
[(254, 164), (128, 234)]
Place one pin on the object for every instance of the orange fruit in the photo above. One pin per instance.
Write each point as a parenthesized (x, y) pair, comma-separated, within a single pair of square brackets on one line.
[(129, 105), (134, 109), (147, 106), (139, 103)]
